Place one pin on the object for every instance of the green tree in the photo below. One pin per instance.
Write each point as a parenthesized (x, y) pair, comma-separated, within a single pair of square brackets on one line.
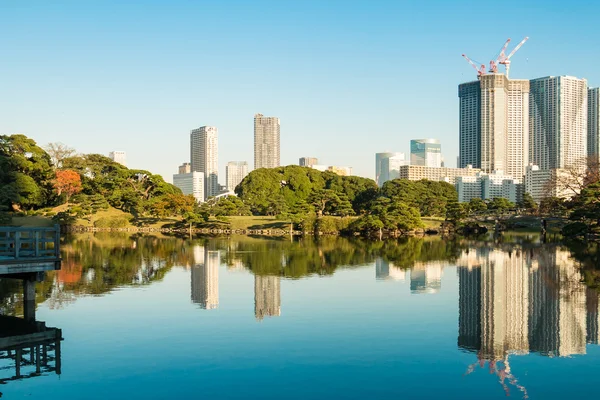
[(500, 204), (477, 205), (528, 203), (456, 212)]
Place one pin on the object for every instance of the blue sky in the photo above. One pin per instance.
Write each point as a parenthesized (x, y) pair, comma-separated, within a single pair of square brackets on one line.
[(348, 79)]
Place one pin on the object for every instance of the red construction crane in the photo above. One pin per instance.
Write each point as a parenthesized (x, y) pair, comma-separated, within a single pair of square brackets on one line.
[(505, 60), (480, 70), (501, 55)]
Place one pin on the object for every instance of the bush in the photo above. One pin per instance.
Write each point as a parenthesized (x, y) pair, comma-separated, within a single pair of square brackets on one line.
[(332, 225), (112, 222)]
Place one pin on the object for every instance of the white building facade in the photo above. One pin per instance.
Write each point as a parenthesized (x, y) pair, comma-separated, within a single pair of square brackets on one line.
[(191, 183), (489, 186), (204, 157), (235, 172), (558, 118), (118, 157)]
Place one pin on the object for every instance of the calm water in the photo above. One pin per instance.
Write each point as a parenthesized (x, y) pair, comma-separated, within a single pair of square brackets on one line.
[(247, 318)]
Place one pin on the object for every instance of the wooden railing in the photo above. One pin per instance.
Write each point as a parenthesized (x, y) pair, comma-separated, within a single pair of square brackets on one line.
[(20, 243)]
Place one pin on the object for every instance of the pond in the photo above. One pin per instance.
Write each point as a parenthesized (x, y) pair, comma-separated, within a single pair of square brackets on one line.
[(273, 318)]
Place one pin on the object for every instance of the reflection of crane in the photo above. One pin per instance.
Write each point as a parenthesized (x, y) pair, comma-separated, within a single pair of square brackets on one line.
[(503, 374), (502, 58), (480, 70)]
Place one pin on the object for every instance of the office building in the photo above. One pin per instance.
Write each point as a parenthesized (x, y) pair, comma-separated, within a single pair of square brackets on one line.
[(185, 168), (558, 120), (383, 167), (593, 140), (118, 157), (416, 173), (489, 186), (205, 278), (426, 152), (235, 172), (266, 142), (204, 157), (493, 124), (191, 183), (308, 161), (267, 296)]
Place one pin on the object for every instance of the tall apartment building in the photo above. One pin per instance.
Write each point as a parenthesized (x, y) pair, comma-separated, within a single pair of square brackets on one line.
[(190, 183), (493, 128), (308, 161), (235, 172), (266, 142), (558, 120), (593, 140), (382, 172), (426, 152), (204, 157), (118, 157)]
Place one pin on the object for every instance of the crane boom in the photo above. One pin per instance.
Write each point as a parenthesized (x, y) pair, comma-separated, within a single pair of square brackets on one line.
[(512, 53), (501, 56), (480, 70), (506, 60)]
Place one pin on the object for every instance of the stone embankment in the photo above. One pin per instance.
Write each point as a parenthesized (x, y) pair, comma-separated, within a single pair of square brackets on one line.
[(203, 231)]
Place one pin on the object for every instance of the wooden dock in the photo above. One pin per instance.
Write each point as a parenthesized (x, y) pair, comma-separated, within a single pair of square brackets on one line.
[(29, 250)]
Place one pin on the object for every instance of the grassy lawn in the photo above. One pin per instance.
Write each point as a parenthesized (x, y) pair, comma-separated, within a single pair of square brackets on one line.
[(257, 222), (32, 221)]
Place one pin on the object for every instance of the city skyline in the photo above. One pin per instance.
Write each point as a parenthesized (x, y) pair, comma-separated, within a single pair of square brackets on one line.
[(108, 101)]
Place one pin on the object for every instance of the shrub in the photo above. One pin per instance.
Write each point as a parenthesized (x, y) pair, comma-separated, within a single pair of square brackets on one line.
[(574, 229)]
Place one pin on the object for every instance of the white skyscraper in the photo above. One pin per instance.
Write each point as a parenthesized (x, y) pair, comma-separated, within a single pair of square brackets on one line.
[(266, 142), (558, 121), (493, 124), (204, 157), (235, 171), (593, 141), (118, 157), (383, 166)]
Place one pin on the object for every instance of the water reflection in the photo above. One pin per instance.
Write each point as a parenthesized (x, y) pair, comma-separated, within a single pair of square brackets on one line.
[(28, 349), (205, 278), (513, 302), (267, 296)]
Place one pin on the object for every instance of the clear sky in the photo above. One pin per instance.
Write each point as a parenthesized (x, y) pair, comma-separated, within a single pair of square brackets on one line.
[(347, 78)]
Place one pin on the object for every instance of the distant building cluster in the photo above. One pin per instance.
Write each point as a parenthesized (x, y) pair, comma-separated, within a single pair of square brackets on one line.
[(525, 134)]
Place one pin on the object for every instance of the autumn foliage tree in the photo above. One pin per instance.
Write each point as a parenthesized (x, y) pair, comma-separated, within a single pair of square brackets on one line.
[(68, 182)]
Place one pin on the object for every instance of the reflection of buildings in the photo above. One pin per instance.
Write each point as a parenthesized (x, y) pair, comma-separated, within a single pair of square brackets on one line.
[(267, 296), (29, 349), (387, 270), (521, 301), (426, 277), (205, 278)]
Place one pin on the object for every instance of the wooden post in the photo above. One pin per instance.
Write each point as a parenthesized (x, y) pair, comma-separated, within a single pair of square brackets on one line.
[(29, 299), (17, 243), (18, 363), (57, 241), (37, 242), (38, 367)]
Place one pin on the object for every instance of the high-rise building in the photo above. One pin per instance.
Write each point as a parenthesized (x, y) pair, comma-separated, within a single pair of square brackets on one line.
[(191, 183), (185, 168), (382, 170), (205, 278), (118, 157), (204, 157), (493, 124), (426, 152), (266, 142), (593, 140), (308, 161), (235, 172), (267, 296), (558, 121)]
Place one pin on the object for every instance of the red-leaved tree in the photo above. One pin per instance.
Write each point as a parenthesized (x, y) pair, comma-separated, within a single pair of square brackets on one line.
[(68, 182)]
